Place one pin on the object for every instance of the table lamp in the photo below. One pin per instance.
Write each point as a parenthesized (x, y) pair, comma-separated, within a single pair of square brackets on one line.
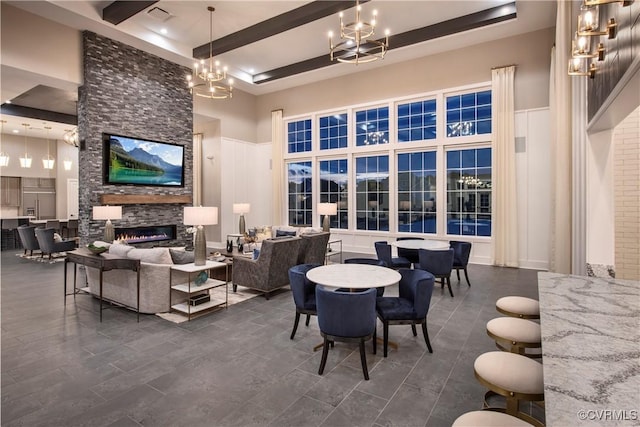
[(241, 208), (108, 212), (327, 209), (198, 216)]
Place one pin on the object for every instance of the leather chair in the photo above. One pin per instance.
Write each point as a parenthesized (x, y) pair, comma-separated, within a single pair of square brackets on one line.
[(438, 263), (304, 293), (271, 270), (28, 238), (49, 246), (383, 250), (410, 254), (367, 261), (461, 252), (410, 307), (313, 248), (346, 317)]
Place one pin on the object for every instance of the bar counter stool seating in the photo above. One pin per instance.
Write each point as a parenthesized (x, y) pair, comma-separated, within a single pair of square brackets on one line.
[(72, 228), (28, 238), (10, 239), (522, 307), (461, 252), (438, 263), (367, 261), (410, 308), (346, 317), (488, 419), (49, 246), (383, 251), (516, 335), (304, 293), (410, 254), (53, 223), (515, 377)]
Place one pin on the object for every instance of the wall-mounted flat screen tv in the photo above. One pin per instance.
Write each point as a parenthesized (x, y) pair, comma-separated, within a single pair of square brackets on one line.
[(135, 161)]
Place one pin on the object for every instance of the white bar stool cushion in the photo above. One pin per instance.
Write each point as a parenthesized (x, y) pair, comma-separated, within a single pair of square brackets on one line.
[(511, 372), (519, 306), (488, 419), (515, 330)]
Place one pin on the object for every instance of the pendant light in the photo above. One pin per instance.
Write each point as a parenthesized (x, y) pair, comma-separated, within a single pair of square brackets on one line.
[(48, 162), (25, 161)]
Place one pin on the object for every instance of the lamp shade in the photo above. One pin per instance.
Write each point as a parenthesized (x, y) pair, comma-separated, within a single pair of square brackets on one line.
[(327, 208), (241, 208), (107, 212), (200, 215)]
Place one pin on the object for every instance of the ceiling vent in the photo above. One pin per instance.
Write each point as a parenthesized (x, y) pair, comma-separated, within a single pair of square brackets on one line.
[(159, 14)]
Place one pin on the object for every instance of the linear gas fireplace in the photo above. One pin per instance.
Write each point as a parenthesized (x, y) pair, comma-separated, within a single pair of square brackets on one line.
[(154, 233)]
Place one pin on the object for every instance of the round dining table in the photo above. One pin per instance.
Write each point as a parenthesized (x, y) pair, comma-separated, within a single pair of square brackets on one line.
[(353, 276), (434, 245)]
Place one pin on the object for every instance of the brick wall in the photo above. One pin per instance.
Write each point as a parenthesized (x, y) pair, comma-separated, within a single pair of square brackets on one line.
[(130, 92), (626, 140)]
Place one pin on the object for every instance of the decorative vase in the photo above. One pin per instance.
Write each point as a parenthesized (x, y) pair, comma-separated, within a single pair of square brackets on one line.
[(229, 246)]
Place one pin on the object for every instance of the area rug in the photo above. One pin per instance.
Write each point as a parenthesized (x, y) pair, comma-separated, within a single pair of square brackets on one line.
[(242, 294), (57, 257)]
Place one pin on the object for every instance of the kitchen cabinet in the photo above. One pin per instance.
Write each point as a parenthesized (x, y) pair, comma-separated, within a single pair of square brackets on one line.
[(10, 191)]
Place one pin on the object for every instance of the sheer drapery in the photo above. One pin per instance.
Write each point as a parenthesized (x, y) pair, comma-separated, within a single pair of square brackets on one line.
[(197, 169), (277, 165), (505, 214), (561, 168)]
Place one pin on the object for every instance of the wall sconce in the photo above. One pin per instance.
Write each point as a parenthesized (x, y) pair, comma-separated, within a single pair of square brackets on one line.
[(589, 23), (578, 67), (581, 48)]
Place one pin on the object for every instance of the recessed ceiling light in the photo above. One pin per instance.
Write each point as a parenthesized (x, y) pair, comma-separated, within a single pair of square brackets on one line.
[(163, 31), (16, 131), (8, 101)]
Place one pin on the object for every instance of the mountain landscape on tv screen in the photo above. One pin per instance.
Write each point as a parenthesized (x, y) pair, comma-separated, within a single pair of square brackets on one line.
[(140, 167)]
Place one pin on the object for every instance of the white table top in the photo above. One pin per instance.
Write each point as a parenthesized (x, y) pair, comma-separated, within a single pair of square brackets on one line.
[(433, 245), (192, 268), (353, 276)]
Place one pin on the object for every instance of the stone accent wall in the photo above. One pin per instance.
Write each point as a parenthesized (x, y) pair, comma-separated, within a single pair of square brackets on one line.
[(130, 92), (626, 140)]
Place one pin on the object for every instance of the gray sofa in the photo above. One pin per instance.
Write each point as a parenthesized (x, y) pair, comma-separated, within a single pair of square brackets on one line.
[(271, 270)]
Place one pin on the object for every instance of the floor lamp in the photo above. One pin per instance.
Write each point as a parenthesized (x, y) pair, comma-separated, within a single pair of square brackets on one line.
[(241, 208), (108, 212), (327, 209), (198, 217)]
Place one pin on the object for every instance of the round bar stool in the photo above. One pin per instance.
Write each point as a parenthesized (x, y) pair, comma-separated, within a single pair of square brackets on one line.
[(522, 307), (513, 376), (488, 419), (516, 335)]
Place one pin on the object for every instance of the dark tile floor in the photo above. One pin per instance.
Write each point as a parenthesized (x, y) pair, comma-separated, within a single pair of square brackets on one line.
[(236, 367)]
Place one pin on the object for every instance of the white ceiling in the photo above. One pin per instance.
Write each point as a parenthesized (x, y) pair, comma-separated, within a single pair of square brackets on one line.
[(188, 27)]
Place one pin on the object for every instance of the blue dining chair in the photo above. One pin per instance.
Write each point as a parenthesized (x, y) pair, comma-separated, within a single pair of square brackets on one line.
[(410, 307), (439, 263), (461, 252), (346, 317), (383, 250), (367, 261), (304, 293)]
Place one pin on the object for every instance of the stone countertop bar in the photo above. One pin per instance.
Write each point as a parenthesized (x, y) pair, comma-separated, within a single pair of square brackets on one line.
[(591, 350)]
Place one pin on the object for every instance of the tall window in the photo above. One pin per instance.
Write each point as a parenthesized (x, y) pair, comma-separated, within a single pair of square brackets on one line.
[(417, 192), (334, 184), (469, 192), (299, 136), (469, 114), (333, 131), (372, 193), (300, 190), (417, 121), (372, 126)]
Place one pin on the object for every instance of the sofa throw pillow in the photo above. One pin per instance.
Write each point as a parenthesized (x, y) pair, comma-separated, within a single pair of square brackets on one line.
[(151, 255), (283, 233), (182, 256), (120, 250), (57, 238)]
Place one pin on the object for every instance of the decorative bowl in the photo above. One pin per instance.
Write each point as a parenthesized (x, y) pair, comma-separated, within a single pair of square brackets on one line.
[(97, 249)]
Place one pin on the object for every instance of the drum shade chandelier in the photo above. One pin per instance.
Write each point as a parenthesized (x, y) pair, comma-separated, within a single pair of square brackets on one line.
[(357, 44), (208, 78)]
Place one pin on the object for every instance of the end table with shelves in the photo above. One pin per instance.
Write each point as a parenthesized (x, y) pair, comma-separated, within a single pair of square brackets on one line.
[(334, 247), (190, 288)]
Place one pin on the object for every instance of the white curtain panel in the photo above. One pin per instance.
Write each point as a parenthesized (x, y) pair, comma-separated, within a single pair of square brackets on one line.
[(197, 169), (505, 214), (560, 162), (277, 165)]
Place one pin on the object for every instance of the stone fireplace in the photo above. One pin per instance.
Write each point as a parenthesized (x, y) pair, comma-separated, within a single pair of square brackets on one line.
[(146, 234)]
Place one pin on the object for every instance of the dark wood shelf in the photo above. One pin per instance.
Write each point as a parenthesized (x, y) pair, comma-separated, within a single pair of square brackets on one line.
[(134, 199)]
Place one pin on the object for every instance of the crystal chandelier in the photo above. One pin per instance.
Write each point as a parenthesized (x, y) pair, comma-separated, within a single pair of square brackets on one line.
[(356, 46), (71, 136), (25, 162), (4, 157), (48, 162), (208, 80)]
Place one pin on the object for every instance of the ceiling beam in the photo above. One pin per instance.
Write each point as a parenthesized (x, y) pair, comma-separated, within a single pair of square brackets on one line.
[(36, 113), (430, 32), (121, 10), (278, 24)]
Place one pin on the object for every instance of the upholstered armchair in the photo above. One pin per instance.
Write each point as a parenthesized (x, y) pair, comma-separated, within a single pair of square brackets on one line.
[(49, 246), (271, 270), (313, 248), (28, 238)]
